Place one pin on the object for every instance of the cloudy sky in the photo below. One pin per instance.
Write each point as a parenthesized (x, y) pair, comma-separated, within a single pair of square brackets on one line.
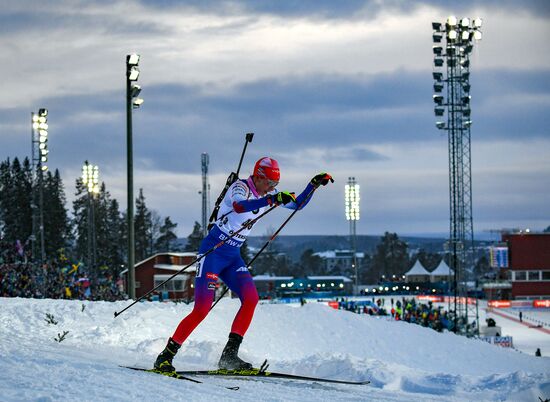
[(338, 86)]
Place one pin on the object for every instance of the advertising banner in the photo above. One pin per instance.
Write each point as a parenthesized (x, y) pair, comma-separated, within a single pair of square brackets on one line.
[(500, 303), (502, 341), (541, 303)]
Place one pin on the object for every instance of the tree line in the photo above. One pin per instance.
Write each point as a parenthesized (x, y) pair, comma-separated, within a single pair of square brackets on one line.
[(70, 233), (153, 233), (392, 257)]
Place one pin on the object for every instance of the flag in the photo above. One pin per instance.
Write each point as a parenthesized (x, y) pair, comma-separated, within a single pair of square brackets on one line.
[(19, 248)]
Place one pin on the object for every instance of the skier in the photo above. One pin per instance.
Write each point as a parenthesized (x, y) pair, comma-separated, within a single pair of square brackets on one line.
[(244, 199)]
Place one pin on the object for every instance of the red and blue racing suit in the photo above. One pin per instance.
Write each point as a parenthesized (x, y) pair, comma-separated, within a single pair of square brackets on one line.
[(241, 203)]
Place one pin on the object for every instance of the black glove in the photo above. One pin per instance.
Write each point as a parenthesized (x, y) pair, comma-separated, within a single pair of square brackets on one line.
[(321, 179), (283, 197)]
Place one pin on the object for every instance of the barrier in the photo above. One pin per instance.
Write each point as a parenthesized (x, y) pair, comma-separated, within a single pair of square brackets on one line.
[(502, 341)]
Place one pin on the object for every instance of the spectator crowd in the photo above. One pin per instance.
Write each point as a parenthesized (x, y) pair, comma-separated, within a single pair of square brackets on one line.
[(408, 310), (56, 279)]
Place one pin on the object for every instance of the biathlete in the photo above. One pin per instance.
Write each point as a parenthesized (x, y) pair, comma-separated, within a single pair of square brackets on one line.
[(244, 200)]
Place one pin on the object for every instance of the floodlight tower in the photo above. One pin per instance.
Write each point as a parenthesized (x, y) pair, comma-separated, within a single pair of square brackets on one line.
[(90, 178), (459, 38), (205, 192), (352, 215), (132, 102), (39, 139)]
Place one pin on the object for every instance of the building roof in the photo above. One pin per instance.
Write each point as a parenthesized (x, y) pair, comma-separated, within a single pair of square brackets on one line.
[(272, 278), (175, 254), (170, 267), (328, 278), (442, 269), (339, 254), (417, 269)]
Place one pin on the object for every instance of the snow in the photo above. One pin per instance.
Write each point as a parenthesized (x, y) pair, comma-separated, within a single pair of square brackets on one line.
[(405, 362)]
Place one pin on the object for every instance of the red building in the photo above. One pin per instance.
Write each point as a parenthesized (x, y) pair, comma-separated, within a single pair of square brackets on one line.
[(158, 268), (529, 264)]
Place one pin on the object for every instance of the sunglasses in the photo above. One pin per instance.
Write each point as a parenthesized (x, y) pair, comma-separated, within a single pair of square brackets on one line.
[(272, 183)]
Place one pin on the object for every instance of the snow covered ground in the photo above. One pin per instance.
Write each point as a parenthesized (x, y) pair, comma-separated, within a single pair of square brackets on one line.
[(526, 336), (405, 362)]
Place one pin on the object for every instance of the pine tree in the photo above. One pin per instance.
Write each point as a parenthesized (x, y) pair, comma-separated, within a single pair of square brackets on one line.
[(5, 190), (310, 264), (195, 238), (80, 221), (116, 238), (167, 236), (108, 232), (16, 200), (57, 228), (142, 228), (245, 252), (391, 258)]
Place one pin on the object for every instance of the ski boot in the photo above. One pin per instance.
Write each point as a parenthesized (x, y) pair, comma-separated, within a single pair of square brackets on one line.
[(229, 359), (164, 359)]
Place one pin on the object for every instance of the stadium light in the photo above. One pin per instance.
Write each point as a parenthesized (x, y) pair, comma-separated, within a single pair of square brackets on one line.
[(132, 102), (40, 152), (459, 38), (90, 178), (437, 50), (437, 37), (352, 199)]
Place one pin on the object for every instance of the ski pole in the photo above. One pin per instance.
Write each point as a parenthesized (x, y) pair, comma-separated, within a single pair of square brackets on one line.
[(232, 178), (248, 138), (267, 242), (253, 221)]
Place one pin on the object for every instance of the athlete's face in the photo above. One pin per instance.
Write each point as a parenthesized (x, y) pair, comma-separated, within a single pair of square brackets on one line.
[(264, 186)]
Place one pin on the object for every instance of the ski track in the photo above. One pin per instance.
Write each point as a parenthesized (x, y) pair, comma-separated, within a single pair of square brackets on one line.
[(404, 362)]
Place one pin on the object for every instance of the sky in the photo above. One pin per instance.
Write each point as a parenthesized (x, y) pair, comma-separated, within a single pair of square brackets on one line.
[(343, 87)]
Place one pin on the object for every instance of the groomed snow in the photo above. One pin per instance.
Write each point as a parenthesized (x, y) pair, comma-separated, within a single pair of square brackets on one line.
[(405, 362)]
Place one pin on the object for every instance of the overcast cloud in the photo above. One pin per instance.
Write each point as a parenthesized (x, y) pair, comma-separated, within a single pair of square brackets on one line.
[(338, 86)]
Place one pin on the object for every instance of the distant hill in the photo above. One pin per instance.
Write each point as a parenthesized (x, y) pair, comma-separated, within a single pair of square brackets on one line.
[(295, 245)]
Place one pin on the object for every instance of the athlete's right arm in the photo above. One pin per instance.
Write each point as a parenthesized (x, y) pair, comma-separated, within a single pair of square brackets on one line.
[(239, 198)]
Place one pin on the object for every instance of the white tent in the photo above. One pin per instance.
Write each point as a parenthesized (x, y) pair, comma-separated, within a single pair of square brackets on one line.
[(441, 273), (417, 273)]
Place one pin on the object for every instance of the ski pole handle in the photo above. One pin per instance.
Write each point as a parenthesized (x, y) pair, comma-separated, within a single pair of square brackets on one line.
[(248, 138)]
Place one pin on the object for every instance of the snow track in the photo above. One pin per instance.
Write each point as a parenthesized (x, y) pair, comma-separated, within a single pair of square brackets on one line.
[(404, 362)]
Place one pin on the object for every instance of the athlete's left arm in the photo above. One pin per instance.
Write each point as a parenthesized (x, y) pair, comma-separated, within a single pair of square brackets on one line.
[(303, 199)]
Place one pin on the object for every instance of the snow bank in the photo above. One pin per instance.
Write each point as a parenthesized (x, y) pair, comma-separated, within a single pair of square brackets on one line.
[(403, 361)]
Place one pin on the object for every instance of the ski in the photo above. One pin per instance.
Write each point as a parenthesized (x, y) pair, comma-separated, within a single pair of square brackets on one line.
[(175, 375), (262, 372)]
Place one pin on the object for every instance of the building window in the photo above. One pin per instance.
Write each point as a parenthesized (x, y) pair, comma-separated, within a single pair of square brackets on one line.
[(546, 275), (534, 276), (174, 285), (520, 276)]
